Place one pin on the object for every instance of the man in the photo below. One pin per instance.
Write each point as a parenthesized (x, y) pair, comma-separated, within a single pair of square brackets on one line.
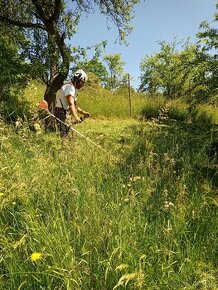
[(66, 101)]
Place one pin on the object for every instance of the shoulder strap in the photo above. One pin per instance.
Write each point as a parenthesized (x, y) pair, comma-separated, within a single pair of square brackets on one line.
[(62, 104)]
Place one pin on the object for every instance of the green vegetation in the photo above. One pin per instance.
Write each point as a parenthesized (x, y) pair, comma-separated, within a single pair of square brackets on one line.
[(189, 72), (142, 215), (136, 208), (42, 30)]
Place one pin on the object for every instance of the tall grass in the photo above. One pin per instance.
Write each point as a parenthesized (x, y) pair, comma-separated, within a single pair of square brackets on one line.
[(141, 216), (104, 103), (205, 114), (178, 110)]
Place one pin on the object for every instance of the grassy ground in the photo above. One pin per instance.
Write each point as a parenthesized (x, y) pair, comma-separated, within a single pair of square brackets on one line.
[(142, 215), (135, 210)]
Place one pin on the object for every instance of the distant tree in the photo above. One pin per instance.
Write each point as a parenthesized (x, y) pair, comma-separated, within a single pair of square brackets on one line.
[(175, 74), (46, 25), (208, 46), (191, 72), (209, 35), (94, 65), (115, 66), (164, 72)]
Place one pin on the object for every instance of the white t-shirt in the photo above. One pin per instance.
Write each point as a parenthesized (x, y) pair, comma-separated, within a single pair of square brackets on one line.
[(61, 100)]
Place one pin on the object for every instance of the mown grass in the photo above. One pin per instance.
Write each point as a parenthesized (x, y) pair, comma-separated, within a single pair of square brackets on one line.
[(142, 215)]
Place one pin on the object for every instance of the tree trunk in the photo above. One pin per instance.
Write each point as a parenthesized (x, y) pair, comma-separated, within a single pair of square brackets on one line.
[(53, 86)]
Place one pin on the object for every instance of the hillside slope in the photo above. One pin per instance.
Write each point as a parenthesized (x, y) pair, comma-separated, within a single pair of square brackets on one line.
[(139, 214)]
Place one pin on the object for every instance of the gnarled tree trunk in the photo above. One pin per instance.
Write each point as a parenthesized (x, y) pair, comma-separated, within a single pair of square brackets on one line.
[(54, 84)]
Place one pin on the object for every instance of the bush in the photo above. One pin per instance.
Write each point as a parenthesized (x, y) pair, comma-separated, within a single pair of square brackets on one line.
[(205, 114), (12, 108), (178, 110), (152, 107)]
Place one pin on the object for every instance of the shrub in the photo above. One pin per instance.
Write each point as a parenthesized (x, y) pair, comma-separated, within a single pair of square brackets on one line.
[(152, 107), (178, 110), (205, 114)]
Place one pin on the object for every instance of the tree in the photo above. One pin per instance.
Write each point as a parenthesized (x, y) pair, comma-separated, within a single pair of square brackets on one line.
[(175, 74), (12, 66), (209, 35), (93, 66), (191, 72), (164, 71), (208, 44), (47, 24), (115, 65)]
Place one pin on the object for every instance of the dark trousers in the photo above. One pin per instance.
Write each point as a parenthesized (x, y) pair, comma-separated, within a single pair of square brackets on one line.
[(61, 114)]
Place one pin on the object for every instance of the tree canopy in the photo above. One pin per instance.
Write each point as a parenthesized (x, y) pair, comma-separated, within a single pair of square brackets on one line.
[(46, 25), (190, 72)]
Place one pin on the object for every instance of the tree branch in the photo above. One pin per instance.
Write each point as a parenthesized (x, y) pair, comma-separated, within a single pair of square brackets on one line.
[(22, 24), (57, 11), (41, 13)]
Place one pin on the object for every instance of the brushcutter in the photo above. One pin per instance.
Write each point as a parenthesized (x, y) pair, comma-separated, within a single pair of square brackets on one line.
[(43, 105)]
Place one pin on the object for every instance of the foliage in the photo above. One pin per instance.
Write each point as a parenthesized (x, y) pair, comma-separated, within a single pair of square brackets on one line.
[(190, 72), (111, 75), (13, 68), (177, 73), (152, 107), (115, 66), (142, 215), (14, 75), (205, 114), (178, 110), (208, 41), (93, 65), (160, 109), (102, 102), (209, 35), (46, 25)]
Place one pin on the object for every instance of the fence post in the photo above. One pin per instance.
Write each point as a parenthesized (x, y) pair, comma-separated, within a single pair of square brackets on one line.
[(130, 101)]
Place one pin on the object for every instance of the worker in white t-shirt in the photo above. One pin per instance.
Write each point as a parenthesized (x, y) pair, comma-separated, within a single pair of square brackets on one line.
[(66, 101)]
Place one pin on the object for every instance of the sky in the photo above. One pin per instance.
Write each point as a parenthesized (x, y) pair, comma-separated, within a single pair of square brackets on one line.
[(154, 21)]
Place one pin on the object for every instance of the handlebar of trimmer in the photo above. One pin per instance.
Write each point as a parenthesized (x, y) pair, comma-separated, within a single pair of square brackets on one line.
[(43, 105), (81, 119)]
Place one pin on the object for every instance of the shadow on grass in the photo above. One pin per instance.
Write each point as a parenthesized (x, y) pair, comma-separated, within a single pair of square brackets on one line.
[(185, 146), (178, 162)]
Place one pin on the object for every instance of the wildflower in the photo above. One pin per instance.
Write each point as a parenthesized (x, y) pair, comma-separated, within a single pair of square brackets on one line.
[(121, 267), (1, 194), (135, 178), (36, 256), (166, 157), (167, 205), (36, 127), (168, 228)]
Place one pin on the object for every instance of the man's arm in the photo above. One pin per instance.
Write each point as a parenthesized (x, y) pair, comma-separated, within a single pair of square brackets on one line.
[(72, 107)]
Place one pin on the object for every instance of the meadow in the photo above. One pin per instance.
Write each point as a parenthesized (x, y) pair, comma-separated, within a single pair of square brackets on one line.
[(138, 211)]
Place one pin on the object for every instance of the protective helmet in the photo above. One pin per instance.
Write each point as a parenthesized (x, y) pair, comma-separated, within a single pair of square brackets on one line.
[(80, 75)]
